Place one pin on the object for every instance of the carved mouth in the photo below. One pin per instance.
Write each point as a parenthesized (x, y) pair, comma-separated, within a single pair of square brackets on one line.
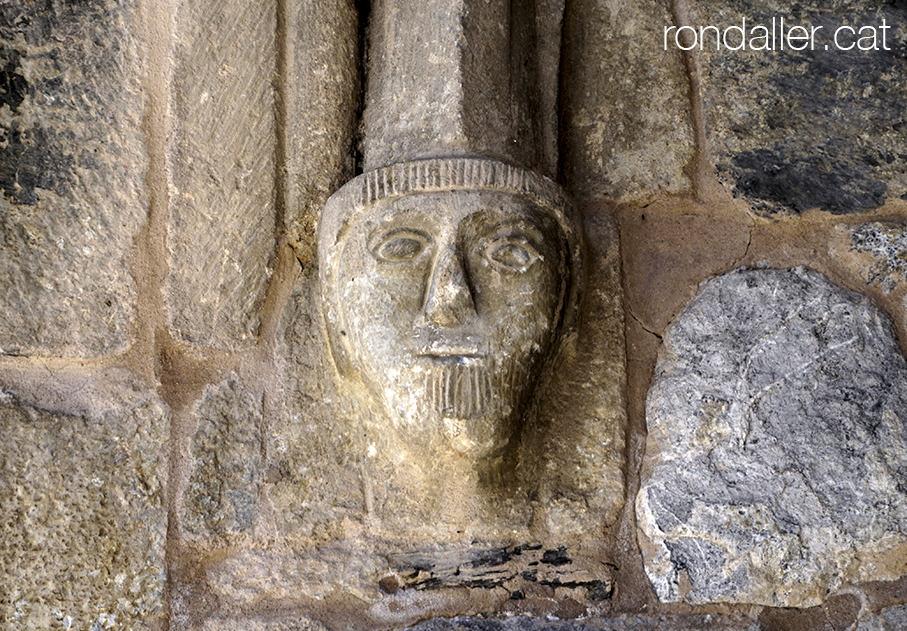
[(453, 354)]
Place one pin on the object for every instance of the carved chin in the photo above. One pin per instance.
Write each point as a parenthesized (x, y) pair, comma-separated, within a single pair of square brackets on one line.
[(474, 405)]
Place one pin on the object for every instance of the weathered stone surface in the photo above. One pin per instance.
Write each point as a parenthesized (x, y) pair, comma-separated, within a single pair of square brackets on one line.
[(258, 625), (627, 129), (344, 509), (72, 167), (82, 517), (222, 496), (321, 102), (620, 623), (888, 619), (776, 459), (223, 198), (461, 78), (794, 130), (878, 251)]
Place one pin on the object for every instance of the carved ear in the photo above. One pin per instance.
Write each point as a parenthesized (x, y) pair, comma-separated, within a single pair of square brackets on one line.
[(332, 325)]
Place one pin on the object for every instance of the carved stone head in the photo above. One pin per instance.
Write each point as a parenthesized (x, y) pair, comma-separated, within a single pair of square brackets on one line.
[(446, 284)]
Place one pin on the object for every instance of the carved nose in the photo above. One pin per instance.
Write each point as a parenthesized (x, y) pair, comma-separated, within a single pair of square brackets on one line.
[(449, 301)]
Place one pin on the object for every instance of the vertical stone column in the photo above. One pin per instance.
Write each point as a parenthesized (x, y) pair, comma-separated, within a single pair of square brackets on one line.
[(455, 79)]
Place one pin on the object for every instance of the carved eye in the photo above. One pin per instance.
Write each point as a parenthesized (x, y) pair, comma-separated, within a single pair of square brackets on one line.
[(512, 253), (400, 245)]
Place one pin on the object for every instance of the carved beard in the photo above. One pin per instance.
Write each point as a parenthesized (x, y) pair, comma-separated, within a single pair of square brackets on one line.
[(476, 404)]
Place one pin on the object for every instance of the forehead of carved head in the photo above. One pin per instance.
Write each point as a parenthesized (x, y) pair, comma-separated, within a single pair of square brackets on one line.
[(446, 304)]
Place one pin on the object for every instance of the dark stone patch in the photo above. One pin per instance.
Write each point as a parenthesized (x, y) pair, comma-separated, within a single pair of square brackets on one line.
[(57, 33), (13, 86), (32, 159), (802, 182), (29, 158), (708, 622), (556, 557), (821, 128)]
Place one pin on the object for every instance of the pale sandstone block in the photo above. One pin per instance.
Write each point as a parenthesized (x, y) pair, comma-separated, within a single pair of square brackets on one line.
[(322, 102), (223, 162), (83, 520), (626, 131), (72, 168)]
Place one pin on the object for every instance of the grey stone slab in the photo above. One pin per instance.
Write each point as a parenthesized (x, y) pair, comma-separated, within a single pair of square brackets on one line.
[(224, 172), (824, 128), (775, 460), (82, 514), (72, 168), (888, 619), (627, 129), (877, 250)]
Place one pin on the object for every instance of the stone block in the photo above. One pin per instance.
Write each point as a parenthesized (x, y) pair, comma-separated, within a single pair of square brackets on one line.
[(223, 159), (627, 131), (888, 619), (322, 102), (222, 496), (259, 625), (82, 514), (794, 130), (72, 169), (776, 458), (877, 251), (462, 78)]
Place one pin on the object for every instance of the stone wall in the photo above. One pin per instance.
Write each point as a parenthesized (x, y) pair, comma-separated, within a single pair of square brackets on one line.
[(719, 444)]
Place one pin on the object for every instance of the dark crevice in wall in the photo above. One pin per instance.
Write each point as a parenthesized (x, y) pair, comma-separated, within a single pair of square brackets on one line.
[(560, 108), (363, 9), (699, 170), (282, 179)]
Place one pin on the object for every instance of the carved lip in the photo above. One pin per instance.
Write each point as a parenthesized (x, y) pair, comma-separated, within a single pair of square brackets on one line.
[(449, 352)]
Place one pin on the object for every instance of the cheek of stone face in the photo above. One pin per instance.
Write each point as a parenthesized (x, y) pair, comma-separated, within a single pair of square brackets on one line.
[(380, 303), (519, 308)]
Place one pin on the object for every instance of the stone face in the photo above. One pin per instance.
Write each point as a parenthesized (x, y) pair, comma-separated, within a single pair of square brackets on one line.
[(223, 492), (447, 302), (83, 521), (627, 129), (223, 157), (72, 168), (795, 130), (344, 508), (775, 462)]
